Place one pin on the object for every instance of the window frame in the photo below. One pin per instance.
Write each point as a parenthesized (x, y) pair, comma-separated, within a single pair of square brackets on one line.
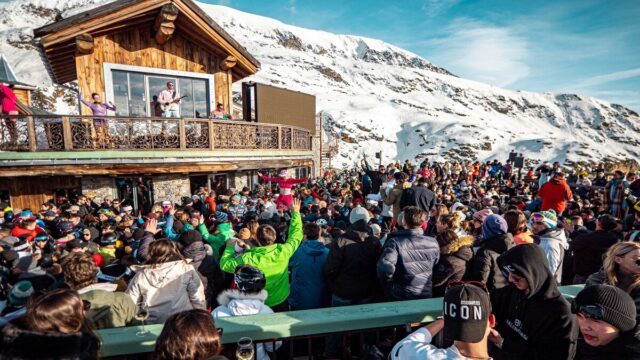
[(107, 69)]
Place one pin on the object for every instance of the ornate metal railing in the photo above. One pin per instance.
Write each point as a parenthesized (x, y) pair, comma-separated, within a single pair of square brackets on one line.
[(72, 132)]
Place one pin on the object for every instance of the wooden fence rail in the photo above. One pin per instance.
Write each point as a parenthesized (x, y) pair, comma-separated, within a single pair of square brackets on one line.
[(74, 133)]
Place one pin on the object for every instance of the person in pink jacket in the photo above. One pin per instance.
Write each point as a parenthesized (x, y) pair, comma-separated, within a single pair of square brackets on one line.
[(285, 183), (8, 102)]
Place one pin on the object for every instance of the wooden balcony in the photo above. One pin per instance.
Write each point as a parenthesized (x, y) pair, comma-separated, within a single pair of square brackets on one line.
[(62, 133)]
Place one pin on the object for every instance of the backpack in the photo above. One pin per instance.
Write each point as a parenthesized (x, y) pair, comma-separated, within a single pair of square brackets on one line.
[(408, 198)]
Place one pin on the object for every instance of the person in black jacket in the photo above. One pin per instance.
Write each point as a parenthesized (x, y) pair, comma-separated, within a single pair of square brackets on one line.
[(377, 177), (588, 249), (496, 241), (351, 264), (424, 198), (607, 320), (456, 253), (534, 320), (407, 260)]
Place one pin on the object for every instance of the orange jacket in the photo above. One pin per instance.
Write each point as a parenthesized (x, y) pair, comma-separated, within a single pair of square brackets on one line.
[(555, 195)]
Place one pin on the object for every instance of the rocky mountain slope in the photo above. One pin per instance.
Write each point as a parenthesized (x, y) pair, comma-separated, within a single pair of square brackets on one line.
[(374, 96)]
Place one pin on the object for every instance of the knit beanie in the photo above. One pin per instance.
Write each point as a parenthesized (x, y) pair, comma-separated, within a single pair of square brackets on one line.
[(359, 213), (549, 218), (482, 214), (244, 234), (494, 225), (221, 216), (618, 308), (189, 237)]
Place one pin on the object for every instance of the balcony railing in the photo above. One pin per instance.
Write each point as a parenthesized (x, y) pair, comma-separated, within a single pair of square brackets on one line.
[(67, 133)]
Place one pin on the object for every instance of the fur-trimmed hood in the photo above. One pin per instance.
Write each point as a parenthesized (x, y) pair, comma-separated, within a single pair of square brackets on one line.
[(466, 240), (232, 294), (17, 343), (235, 303)]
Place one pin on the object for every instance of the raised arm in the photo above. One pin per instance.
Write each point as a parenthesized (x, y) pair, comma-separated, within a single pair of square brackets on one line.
[(266, 178), (297, 181)]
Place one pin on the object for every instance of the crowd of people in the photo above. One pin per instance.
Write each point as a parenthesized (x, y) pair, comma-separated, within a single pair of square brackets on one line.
[(495, 246)]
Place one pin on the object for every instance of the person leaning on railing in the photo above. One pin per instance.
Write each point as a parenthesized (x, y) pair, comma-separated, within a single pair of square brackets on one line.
[(220, 114), (100, 125), (8, 102)]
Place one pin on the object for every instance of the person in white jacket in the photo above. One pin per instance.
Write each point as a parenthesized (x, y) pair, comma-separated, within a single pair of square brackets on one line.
[(468, 322), (167, 282), (247, 299), (553, 240)]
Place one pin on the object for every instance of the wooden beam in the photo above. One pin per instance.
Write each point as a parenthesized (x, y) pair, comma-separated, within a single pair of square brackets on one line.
[(84, 44), (228, 62), (164, 25)]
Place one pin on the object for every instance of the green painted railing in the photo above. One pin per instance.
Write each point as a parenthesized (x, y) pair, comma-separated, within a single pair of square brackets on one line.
[(121, 341)]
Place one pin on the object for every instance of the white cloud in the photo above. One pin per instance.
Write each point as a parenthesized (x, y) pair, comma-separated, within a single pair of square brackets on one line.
[(602, 79), (292, 8), (433, 8), (481, 52)]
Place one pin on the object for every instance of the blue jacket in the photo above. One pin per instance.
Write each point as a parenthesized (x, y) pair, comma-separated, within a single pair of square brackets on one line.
[(309, 289), (406, 264)]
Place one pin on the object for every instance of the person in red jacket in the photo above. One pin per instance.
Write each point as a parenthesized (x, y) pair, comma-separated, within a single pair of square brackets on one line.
[(27, 229), (285, 183), (8, 103), (555, 194)]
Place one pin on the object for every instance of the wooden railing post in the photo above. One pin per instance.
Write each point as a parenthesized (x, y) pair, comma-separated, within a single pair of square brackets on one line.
[(31, 133), (211, 135), (183, 134), (279, 137), (66, 133)]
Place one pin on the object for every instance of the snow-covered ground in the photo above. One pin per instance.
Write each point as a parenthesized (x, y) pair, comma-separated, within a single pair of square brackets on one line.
[(375, 96)]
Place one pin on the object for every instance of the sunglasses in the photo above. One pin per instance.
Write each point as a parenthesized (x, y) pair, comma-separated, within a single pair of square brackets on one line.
[(593, 312)]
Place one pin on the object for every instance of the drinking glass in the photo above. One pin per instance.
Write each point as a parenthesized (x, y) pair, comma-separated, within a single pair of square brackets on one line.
[(245, 349), (142, 313)]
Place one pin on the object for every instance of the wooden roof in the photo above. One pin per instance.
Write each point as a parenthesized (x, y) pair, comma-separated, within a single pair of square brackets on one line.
[(58, 43)]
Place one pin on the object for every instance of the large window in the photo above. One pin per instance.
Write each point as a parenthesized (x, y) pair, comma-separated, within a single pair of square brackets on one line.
[(134, 93)]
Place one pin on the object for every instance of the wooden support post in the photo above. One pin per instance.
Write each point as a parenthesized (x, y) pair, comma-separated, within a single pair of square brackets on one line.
[(164, 25), (212, 144), (84, 44), (66, 133), (183, 134), (31, 132), (279, 137)]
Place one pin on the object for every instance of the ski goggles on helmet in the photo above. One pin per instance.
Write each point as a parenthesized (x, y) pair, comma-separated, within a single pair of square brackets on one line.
[(537, 217)]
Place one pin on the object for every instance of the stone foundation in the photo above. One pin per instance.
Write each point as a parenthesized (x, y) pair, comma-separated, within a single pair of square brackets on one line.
[(170, 187), (99, 188)]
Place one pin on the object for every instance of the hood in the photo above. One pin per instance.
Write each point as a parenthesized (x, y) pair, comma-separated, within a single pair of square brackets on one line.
[(313, 247), (194, 251), (99, 286), (556, 234), (528, 261), (499, 244), (460, 242), (160, 275), (242, 303)]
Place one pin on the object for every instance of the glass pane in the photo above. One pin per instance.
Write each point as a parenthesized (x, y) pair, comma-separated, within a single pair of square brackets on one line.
[(186, 106), (120, 92), (156, 86), (200, 98), (137, 100)]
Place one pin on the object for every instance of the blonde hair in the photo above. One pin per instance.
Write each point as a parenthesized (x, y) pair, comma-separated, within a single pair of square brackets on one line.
[(452, 220), (611, 267)]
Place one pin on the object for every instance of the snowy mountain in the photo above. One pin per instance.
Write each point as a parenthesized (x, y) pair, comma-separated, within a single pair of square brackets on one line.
[(375, 96)]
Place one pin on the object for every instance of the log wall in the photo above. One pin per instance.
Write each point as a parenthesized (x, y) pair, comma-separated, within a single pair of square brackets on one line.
[(138, 47)]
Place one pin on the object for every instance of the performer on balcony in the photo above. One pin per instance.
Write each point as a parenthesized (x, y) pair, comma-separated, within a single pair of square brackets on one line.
[(100, 125), (8, 102), (170, 100), (285, 183)]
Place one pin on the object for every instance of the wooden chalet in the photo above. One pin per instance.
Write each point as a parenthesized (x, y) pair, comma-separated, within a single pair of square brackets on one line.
[(126, 51)]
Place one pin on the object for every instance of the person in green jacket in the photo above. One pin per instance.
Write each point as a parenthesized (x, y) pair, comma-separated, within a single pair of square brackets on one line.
[(272, 259), (222, 234), (109, 308)]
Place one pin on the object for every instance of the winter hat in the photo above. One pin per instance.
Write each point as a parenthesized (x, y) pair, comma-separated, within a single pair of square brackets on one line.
[(482, 214), (340, 225), (266, 215), (20, 293), (456, 206), (359, 213), (189, 237), (138, 234), (466, 312), (249, 279), (607, 303), (75, 208), (376, 230), (494, 225), (221, 216), (108, 239), (283, 173), (244, 234), (549, 218), (127, 208)]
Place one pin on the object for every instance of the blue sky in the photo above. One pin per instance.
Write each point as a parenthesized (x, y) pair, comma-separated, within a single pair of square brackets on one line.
[(578, 46)]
